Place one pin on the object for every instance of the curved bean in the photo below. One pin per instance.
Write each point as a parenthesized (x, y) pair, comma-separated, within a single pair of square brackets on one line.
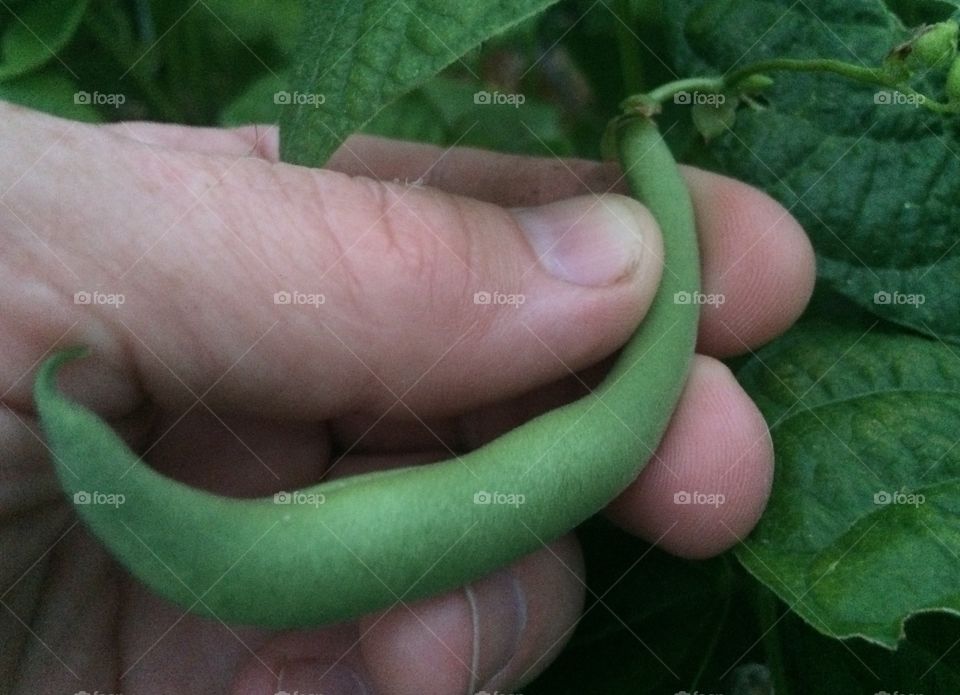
[(359, 544)]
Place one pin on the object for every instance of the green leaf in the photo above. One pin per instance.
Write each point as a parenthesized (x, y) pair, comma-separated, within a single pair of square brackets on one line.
[(50, 91), (256, 104), (359, 56), (449, 112), (37, 33), (873, 184), (656, 624), (916, 12), (443, 112), (414, 116), (860, 533), (252, 21), (923, 662)]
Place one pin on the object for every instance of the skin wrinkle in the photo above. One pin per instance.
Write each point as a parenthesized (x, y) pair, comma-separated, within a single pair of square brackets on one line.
[(411, 259), (17, 637), (281, 671), (54, 568), (308, 213), (188, 173), (190, 334), (249, 256), (519, 600), (145, 365), (340, 265), (477, 324), (415, 258), (420, 269), (453, 235), (111, 339), (475, 622), (468, 249), (41, 590), (127, 343), (301, 206)]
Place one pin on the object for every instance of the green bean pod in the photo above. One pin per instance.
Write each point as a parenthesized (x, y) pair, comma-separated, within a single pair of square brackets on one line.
[(344, 548)]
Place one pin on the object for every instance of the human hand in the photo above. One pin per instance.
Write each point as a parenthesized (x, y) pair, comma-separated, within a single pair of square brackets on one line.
[(195, 230)]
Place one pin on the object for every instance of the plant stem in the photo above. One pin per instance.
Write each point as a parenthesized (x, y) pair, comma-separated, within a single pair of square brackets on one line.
[(709, 85), (876, 76), (730, 82), (631, 66)]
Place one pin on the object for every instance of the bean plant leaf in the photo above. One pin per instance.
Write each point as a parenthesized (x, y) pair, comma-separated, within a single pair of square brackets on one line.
[(812, 663), (50, 91), (453, 112), (255, 21), (872, 178), (357, 56), (442, 111), (860, 533), (256, 103), (35, 33), (917, 12)]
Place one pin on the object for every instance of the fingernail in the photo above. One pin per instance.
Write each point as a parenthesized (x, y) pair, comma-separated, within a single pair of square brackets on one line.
[(588, 240), (318, 676), (498, 607)]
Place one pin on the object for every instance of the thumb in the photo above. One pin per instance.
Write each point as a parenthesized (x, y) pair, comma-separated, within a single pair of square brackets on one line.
[(282, 290), (448, 302)]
